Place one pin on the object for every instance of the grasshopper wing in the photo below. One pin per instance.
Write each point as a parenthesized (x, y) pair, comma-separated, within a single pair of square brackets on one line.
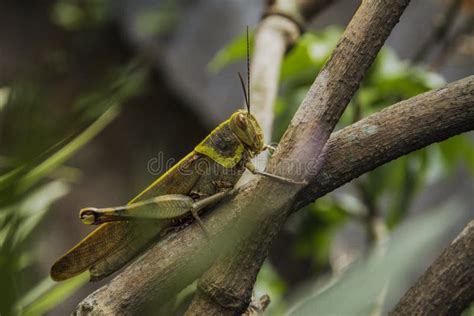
[(109, 240), (112, 245)]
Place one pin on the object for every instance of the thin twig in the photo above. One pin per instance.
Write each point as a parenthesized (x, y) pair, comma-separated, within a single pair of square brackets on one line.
[(450, 45), (440, 32)]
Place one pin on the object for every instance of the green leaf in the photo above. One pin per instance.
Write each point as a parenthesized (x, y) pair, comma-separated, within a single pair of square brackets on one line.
[(232, 52), (35, 293), (48, 294), (68, 150), (269, 282), (317, 225), (10, 177), (67, 15), (359, 290), (34, 207), (73, 16), (469, 311), (4, 96), (456, 149), (309, 54)]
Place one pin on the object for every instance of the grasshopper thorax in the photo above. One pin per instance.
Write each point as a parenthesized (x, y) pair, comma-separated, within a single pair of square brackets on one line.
[(245, 126)]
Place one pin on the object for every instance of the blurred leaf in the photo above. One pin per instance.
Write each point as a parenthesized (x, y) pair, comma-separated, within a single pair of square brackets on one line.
[(154, 22), (317, 226), (469, 311), (33, 208), (67, 15), (411, 173), (48, 294), (232, 52), (285, 108), (17, 223), (309, 54), (120, 84), (68, 150), (457, 149), (4, 95), (22, 210), (8, 178), (362, 285), (35, 293), (74, 15), (268, 282)]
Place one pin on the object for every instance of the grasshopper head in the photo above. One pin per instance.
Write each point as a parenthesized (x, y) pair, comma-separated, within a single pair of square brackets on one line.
[(247, 129)]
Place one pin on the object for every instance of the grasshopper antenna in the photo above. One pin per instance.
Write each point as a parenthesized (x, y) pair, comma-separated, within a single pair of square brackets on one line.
[(246, 89), (248, 71), (245, 92)]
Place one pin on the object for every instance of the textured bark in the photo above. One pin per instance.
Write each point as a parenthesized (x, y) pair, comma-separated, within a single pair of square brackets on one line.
[(181, 258), (447, 287)]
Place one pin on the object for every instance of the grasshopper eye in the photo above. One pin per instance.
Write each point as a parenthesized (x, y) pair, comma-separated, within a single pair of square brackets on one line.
[(241, 121)]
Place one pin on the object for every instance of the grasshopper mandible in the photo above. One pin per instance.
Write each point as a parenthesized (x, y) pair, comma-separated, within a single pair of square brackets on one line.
[(198, 180)]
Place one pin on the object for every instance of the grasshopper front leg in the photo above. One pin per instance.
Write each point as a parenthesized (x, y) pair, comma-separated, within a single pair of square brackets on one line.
[(251, 167)]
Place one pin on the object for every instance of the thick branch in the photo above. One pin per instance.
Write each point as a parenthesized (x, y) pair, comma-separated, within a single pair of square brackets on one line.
[(440, 32), (181, 258), (447, 287)]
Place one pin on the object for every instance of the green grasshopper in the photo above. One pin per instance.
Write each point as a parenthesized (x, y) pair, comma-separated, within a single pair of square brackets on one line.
[(202, 178)]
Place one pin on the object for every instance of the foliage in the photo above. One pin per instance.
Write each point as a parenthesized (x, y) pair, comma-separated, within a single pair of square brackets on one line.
[(73, 15), (387, 191), (269, 282), (362, 289), (32, 180)]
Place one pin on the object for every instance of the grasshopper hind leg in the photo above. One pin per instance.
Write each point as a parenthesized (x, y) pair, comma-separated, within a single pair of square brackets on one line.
[(203, 203), (164, 207)]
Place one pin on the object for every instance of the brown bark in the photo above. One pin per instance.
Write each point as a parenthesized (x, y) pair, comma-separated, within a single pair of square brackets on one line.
[(181, 258), (447, 287)]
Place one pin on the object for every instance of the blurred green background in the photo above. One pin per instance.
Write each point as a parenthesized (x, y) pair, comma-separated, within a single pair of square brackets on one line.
[(91, 91)]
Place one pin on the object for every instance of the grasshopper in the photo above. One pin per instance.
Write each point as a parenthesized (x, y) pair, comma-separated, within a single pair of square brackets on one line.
[(200, 179)]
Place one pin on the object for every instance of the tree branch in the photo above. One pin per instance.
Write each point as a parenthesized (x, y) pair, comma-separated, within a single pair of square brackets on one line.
[(181, 258), (447, 287), (440, 31)]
